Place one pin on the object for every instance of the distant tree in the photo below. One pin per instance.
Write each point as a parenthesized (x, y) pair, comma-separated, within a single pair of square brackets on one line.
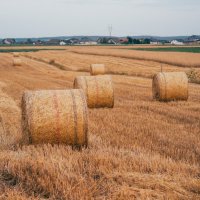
[(146, 41), (136, 41), (165, 42), (133, 41), (29, 41), (130, 40)]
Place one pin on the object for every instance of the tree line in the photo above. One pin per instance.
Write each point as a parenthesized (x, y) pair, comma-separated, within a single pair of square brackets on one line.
[(138, 41)]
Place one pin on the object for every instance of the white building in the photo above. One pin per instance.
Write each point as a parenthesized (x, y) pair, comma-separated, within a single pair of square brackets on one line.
[(155, 43), (62, 43), (176, 42), (88, 43)]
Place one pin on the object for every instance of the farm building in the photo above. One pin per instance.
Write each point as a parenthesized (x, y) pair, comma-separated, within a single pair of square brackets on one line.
[(8, 41), (87, 41), (177, 42), (62, 43), (72, 41), (109, 40), (53, 42), (123, 40)]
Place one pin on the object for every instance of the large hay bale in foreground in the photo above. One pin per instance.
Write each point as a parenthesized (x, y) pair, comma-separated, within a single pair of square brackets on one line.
[(97, 69), (55, 117), (98, 89), (170, 86), (16, 54), (17, 62)]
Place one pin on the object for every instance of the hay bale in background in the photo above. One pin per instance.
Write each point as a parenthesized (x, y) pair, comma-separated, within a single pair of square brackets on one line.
[(97, 69), (17, 62), (98, 89), (16, 54), (170, 86), (55, 116)]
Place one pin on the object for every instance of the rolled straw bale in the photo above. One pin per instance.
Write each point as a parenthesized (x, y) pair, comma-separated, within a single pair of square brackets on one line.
[(97, 69), (170, 86), (15, 54), (17, 62), (55, 117), (98, 89)]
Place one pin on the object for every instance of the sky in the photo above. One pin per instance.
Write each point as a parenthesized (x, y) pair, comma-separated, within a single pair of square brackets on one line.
[(41, 18)]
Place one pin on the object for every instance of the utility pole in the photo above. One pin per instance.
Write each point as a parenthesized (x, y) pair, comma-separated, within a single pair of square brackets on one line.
[(110, 29)]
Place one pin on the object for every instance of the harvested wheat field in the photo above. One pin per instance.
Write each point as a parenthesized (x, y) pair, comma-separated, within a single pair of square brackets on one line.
[(140, 149), (121, 61)]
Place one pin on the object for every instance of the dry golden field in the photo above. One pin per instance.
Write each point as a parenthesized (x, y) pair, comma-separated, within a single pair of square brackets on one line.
[(121, 61), (140, 149)]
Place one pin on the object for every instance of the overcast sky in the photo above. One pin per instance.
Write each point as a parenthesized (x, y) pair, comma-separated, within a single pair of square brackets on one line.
[(36, 18)]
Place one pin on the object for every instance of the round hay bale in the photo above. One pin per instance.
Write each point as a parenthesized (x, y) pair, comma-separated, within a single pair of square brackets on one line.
[(16, 54), (17, 62), (170, 86), (98, 89), (97, 69), (55, 117)]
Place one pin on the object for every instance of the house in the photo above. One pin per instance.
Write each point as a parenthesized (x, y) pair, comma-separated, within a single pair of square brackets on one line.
[(177, 42), (108, 40), (68, 42), (123, 41), (62, 43), (84, 40), (72, 41), (155, 43), (75, 41), (8, 41), (113, 41), (87, 41), (39, 43), (54, 42), (28, 41), (192, 40)]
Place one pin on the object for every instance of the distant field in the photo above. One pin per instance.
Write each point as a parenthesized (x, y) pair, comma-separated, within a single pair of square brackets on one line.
[(171, 49), (181, 59)]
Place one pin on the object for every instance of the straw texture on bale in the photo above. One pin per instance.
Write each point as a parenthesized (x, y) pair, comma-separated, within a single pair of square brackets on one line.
[(15, 54), (17, 62), (170, 86), (98, 89), (97, 69), (55, 117)]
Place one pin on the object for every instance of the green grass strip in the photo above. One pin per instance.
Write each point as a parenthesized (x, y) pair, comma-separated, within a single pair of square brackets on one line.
[(171, 49)]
